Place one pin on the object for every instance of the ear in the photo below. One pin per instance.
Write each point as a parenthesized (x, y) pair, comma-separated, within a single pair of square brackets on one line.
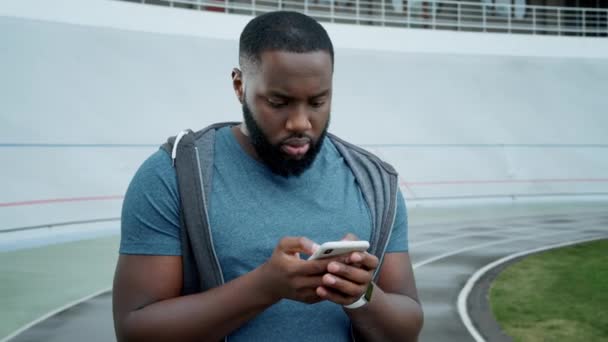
[(237, 84)]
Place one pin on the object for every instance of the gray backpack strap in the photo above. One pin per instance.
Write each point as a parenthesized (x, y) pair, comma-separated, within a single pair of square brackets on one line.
[(201, 270), (379, 185), (192, 155)]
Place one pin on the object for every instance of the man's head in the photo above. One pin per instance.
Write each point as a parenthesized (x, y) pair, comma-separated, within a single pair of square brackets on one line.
[(285, 88)]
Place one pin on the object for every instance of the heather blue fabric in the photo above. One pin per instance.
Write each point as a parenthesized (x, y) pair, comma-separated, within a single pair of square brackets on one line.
[(250, 210)]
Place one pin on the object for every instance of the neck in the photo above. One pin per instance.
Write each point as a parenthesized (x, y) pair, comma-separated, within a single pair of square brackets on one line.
[(242, 136)]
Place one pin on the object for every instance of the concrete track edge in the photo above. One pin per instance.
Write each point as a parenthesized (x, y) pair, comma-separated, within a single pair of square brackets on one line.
[(53, 313)]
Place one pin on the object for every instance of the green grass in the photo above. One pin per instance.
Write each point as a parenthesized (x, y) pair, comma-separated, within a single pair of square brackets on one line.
[(38, 280), (558, 295)]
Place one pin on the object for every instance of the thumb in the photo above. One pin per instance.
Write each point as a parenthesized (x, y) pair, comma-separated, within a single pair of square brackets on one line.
[(293, 245), (350, 237)]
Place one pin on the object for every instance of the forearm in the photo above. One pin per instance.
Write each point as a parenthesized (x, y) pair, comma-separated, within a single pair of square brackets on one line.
[(388, 317), (208, 316)]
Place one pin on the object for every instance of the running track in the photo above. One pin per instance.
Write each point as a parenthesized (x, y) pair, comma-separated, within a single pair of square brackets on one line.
[(444, 256)]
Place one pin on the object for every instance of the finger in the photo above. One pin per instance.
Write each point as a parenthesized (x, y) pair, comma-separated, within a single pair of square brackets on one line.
[(333, 296), (343, 258), (292, 245), (343, 286), (312, 298), (309, 296), (366, 260), (310, 282), (350, 273), (302, 282), (319, 266), (350, 237), (313, 267)]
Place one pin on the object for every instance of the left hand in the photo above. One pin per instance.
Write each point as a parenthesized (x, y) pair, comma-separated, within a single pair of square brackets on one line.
[(345, 282)]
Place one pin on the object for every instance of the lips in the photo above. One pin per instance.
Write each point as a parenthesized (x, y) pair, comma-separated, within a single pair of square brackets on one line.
[(296, 147)]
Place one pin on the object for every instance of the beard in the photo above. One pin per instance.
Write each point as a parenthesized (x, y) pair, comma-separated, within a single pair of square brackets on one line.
[(272, 155)]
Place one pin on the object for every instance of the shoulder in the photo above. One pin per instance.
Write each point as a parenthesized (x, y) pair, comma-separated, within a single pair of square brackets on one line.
[(201, 134), (356, 153), (158, 164), (155, 175)]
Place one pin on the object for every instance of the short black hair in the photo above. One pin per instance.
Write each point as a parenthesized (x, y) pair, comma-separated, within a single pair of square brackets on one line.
[(282, 31)]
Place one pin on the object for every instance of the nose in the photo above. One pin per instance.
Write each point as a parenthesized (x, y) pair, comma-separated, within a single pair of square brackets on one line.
[(298, 120)]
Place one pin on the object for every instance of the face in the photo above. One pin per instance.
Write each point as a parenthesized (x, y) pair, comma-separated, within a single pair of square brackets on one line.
[(286, 104)]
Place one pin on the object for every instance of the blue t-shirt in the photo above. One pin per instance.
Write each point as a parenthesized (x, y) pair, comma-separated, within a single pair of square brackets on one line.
[(250, 210)]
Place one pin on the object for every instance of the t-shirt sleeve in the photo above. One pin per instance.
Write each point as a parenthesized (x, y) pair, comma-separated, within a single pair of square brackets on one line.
[(150, 212), (398, 240)]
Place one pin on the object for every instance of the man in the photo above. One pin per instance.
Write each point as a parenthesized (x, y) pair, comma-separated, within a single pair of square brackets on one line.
[(279, 183)]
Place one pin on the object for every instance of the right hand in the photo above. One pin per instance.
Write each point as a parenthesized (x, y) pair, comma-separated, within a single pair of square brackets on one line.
[(285, 275)]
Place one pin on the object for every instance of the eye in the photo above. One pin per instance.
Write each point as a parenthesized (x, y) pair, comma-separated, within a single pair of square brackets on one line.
[(317, 104), (274, 103)]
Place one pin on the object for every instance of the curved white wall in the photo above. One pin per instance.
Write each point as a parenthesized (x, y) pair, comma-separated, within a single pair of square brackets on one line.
[(89, 89)]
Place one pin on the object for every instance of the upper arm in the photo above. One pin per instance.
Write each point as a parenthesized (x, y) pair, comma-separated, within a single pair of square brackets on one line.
[(150, 212), (141, 280), (149, 268), (399, 235), (397, 275)]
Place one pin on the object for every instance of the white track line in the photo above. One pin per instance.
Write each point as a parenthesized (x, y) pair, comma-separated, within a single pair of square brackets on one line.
[(482, 245), (466, 290), (499, 225), (494, 233), (54, 312), (447, 238), (528, 220)]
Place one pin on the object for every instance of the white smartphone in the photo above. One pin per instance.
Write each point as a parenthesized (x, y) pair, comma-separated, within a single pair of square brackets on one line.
[(333, 248)]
